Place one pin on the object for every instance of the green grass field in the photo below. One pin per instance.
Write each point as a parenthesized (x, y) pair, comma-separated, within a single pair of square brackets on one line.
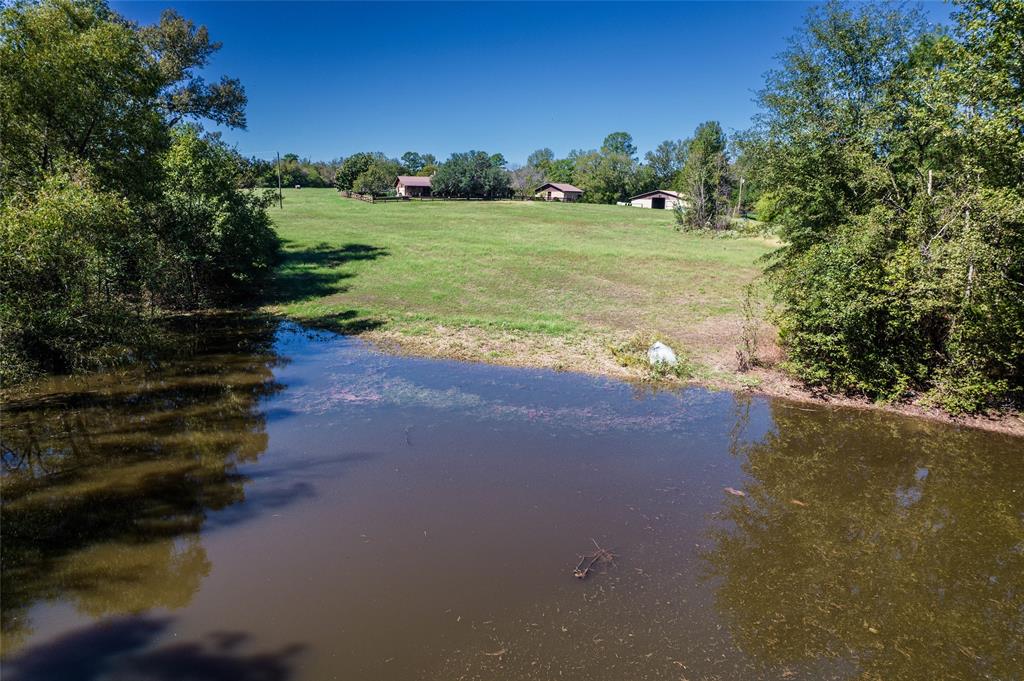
[(561, 271)]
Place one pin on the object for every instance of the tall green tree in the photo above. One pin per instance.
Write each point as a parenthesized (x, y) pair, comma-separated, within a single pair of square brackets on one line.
[(215, 243), (413, 161), (704, 179), (472, 174), (378, 179), (358, 164), (112, 207), (561, 170), (891, 159), (78, 82), (619, 143), (666, 161), (180, 49), (541, 159), (611, 173)]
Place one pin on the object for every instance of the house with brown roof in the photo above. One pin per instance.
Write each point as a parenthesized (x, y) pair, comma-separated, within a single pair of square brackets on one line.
[(662, 199), (558, 191), (412, 185)]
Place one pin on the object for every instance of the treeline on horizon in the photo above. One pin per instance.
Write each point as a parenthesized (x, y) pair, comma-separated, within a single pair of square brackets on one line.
[(612, 173), (888, 156)]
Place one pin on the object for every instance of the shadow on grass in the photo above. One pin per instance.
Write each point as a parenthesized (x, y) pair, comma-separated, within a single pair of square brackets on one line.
[(346, 322), (315, 272)]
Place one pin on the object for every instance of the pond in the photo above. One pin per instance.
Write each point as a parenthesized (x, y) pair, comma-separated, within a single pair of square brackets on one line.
[(287, 504)]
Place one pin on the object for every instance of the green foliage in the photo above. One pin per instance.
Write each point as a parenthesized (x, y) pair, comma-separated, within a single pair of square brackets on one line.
[(357, 165), (666, 161), (472, 174), (560, 170), (179, 48), (67, 248), (428, 168), (76, 83), (378, 180), (892, 160), (704, 180), (413, 161), (215, 241), (611, 174), (112, 209), (619, 143), (295, 172), (354, 166), (541, 160)]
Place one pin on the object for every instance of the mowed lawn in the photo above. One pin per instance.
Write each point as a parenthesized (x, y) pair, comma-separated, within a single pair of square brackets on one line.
[(417, 268)]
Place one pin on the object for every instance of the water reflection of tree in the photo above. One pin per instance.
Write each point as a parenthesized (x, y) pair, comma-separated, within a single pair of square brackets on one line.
[(906, 560), (108, 478)]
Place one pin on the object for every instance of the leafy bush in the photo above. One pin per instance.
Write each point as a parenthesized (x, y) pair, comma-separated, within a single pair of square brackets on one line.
[(129, 210), (66, 249), (900, 196), (215, 242)]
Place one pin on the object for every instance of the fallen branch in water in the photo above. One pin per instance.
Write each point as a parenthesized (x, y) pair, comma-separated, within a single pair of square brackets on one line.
[(588, 562)]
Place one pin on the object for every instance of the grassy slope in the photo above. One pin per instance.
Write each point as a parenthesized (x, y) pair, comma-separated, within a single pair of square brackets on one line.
[(557, 270)]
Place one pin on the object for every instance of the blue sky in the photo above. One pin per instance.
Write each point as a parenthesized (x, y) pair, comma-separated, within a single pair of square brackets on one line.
[(328, 79)]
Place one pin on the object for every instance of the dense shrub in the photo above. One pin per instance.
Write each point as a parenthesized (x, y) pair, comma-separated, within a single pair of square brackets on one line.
[(892, 160), (216, 242), (65, 249), (129, 210)]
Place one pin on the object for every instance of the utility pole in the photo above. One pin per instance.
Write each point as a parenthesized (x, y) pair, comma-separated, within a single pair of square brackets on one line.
[(739, 200), (280, 197)]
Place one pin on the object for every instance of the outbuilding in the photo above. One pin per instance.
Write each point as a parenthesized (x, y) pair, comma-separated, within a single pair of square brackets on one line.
[(558, 191), (412, 185), (662, 199)]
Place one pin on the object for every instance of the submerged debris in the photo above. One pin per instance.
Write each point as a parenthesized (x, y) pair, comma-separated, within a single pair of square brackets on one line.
[(588, 562)]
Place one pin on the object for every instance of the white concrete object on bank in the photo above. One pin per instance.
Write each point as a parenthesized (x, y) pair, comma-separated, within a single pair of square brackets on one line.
[(659, 353)]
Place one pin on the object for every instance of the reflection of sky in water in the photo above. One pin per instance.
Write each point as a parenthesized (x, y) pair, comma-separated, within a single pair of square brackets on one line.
[(864, 545), (348, 375)]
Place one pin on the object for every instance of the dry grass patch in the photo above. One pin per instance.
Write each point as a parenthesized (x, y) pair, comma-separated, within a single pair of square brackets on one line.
[(583, 353)]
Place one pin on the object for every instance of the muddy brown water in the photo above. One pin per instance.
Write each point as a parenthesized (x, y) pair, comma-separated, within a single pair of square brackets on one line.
[(284, 504)]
